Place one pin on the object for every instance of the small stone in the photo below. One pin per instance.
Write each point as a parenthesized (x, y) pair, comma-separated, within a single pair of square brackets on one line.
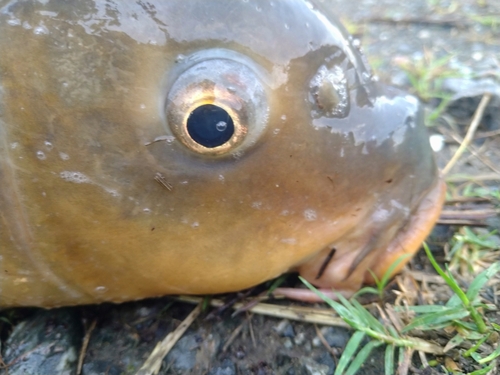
[(312, 367), (49, 343), (183, 355), (316, 342), (300, 338), (285, 329), (226, 368), (335, 337), (287, 343)]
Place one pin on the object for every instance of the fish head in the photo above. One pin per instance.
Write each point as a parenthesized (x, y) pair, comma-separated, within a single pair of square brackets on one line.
[(201, 147)]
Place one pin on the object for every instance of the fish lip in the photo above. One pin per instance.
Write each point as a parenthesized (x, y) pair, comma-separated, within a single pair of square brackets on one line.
[(412, 234), (347, 273)]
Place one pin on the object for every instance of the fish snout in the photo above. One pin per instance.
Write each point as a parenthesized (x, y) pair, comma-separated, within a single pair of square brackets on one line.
[(370, 250)]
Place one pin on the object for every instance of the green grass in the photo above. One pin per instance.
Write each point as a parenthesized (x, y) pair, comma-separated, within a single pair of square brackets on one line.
[(426, 77), (462, 313), (381, 284), (470, 251)]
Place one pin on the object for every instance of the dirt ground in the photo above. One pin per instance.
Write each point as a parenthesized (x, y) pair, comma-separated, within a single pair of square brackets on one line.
[(394, 34)]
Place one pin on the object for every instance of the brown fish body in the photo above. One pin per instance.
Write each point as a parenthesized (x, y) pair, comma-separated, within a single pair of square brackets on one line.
[(311, 154)]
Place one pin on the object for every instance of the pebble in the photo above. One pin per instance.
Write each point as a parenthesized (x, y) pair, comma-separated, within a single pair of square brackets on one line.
[(48, 342), (335, 337), (226, 368), (300, 338), (285, 329), (287, 343), (314, 368)]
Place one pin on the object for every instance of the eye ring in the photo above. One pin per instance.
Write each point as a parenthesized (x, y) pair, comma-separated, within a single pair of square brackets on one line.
[(221, 87)]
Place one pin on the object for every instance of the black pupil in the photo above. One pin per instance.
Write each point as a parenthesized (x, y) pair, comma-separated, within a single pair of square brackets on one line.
[(210, 126)]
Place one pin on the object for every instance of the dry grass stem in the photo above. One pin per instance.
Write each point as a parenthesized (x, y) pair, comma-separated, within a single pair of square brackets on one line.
[(299, 313), (477, 178), (233, 336), (325, 343), (155, 359), (423, 359), (478, 115), (85, 344), (404, 365), (491, 133), (250, 328)]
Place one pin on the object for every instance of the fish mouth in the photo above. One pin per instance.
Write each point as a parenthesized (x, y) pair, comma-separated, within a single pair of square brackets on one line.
[(409, 237), (351, 261)]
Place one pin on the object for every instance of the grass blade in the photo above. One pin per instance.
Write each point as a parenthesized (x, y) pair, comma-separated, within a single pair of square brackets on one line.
[(349, 351), (481, 280), (389, 359), (361, 357), (429, 321), (387, 274)]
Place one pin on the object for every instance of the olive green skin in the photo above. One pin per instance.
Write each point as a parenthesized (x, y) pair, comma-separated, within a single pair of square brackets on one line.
[(83, 88)]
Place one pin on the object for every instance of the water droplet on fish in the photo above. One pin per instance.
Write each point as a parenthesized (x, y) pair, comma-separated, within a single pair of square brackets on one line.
[(14, 145), (257, 205), (100, 289), (283, 117), (286, 26), (221, 178), (14, 22), (221, 126), (40, 30), (48, 145), (113, 192), (26, 26), (179, 58), (310, 215), (146, 210), (142, 106), (237, 155), (276, 131), (75, 177), (41, 155), (63, 156), (195, 224)]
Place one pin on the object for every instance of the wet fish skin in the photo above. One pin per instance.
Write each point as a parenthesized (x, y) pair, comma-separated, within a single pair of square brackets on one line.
[(329, 158)]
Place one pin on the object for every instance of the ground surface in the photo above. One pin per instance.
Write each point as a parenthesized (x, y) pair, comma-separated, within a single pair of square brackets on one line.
[(394, 33)]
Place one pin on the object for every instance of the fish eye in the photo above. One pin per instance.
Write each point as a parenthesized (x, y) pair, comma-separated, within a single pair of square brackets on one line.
[(216, 106), (210, 126)]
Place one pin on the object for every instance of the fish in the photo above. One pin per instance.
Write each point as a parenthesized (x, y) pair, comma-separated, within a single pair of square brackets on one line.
[(150, 148)]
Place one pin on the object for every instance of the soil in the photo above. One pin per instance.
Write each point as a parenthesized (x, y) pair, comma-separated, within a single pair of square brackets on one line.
[(121, 337)]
